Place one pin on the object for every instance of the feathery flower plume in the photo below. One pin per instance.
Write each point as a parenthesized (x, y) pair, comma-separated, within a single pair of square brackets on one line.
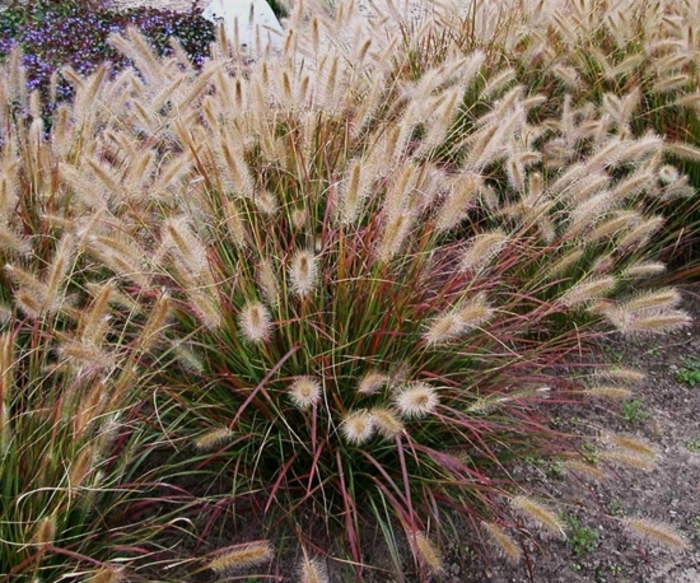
[(621, 374), (639, 236), (107, 574), (661, 323), (482, 248), (236, 226), (305, 392), (303, 273), (45, 532), (585, 468), (416, 399), (461, 196), (312, 571), (426, 552), (372, 382), (609, 391), (655, 300), (644, 269), (358, 427), (632, 460), (179, 238), (588, 290), (459, 321), (267, 280), (81, 467), (397, 227), (213, 438), (636, 446), (242, 556), (387, 423), (539, 514), (503, 542), (655, 531), (255, 322)]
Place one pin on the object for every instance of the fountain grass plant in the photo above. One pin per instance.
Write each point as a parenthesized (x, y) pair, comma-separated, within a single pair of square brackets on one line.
[(336, 290)]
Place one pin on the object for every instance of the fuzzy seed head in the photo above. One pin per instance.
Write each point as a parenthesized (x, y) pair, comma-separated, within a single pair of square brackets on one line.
[(255, 322), (539, 514), (427, 553), (305, 392), (656, 532), (482, 248), (416, 399), (313, 571), (45, 532), (213, 438), (387, 422), (372, 382), (503, 542), (303, 273), (242, 556), (588, 290), (631, 460), (267, 281), (358, 427)]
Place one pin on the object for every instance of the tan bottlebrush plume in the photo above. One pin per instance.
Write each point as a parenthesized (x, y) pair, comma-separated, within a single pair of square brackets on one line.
[(503, 542), (397, 228), (585, 468), (11, 241), (267, 280), (155, 324), (416, 399), (179, 238), (213, 439), (608, 391), (242, 556), (358, 427), (206, 304), (305, 392), (682, 150), (657, 323), (234, 220), (560, 266), (589, 212), (621, 374), (451, 326), (644, 269), (426, 552), (312, 571), (461, 197), (656, 300), (59, 268), (482, 248), (387, 422), (588, 290), (632, 460), (619, 222), (639, 236), (45, 532), (81, 467), (106, 574), (656, 532), (255, 322), (372, 382), (539, 514), (303, 273), (635, 446)]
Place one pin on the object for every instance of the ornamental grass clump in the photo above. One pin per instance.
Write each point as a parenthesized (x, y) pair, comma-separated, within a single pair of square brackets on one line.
[(343, 282)]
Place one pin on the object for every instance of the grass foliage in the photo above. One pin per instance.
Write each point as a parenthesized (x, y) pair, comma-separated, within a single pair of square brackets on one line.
[(332, 291)]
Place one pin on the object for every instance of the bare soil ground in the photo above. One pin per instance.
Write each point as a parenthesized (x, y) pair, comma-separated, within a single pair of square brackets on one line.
[(665, 412)]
